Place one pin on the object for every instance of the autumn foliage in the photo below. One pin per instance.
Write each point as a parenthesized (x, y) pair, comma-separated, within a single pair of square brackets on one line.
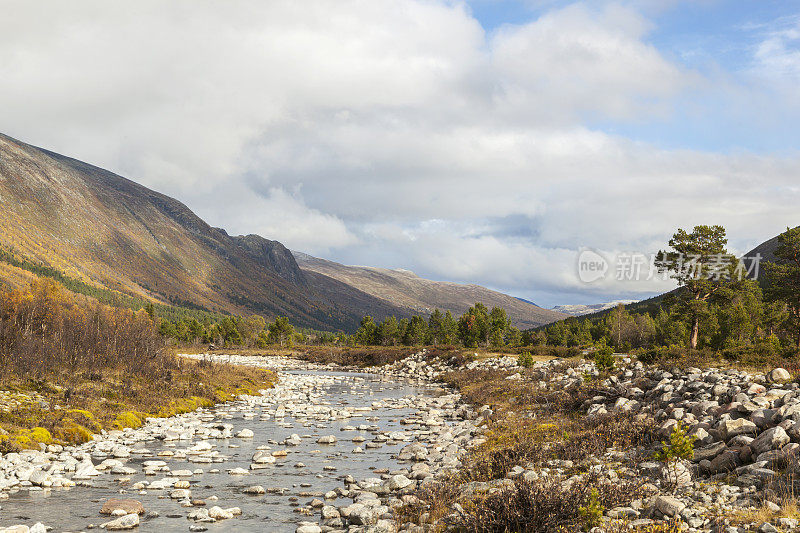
[(84, 367), (44, 329)]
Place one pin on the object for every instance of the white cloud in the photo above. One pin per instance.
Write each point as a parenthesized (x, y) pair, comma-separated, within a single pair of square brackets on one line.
[(578, 61), (392, 132), (777, 55)]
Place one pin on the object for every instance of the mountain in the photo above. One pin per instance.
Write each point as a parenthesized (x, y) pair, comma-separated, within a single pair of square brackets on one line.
[(78, 222), (110, 232), (767, 252), (580, 309), (408, 290)]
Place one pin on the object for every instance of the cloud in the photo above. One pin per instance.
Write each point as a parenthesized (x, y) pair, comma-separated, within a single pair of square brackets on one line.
[(777, 55), (575, 61), (393, 133), (277, 212)]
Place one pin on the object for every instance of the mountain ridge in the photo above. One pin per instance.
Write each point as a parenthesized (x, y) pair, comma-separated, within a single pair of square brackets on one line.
[(422, 295), (111, 232)]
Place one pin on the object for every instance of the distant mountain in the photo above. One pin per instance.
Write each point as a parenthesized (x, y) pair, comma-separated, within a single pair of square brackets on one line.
[(406, 289), (110, 233), (579, 309)]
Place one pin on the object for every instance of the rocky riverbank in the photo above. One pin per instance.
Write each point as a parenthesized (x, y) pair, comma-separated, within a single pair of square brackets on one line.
[(432, 426), (746, 428)]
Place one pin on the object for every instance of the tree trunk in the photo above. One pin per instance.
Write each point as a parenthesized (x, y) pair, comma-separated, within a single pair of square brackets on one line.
[(695, 332)]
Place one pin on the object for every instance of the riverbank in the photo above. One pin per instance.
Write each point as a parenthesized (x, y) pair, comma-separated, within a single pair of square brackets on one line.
[(569, 448), (447, 443), (64, 408), (316, 437)]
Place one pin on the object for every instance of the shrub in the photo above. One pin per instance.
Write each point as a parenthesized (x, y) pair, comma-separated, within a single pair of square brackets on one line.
[(592, 512), (129, 419), (604, 359), (525, 359), (41, 435), (680, 446), (543, 506)]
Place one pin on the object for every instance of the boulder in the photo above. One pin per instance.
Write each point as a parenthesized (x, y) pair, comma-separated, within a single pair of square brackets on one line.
[(668, 505), (129, 521), (771, 439), (732, 428), (360, 515), (779, 375), (398, 482), (127, 505)]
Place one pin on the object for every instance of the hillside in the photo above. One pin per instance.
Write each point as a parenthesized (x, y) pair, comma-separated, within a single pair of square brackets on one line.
[(766, 250), (107, 231), (101, 231), (422, 295)]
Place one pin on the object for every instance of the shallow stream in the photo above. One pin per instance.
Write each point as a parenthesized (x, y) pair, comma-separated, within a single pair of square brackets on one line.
[(77, 508)]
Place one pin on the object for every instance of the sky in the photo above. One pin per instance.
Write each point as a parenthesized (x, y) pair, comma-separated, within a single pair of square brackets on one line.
[(486, 141)]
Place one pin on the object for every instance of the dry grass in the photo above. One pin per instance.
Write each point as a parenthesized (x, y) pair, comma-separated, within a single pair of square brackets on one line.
[(295, 351), (112, 399), (541, 506), (789, 509), (531, 427)]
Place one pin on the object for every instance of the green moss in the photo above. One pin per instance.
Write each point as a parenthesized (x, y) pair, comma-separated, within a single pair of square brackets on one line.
[(184, 405), (23, 441), (73, 433), (41, 435), (128, 419), (26, 439), (81, 412)]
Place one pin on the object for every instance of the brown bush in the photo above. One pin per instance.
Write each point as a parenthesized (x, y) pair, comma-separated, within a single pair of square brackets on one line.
[(104, 366), (541, 506), (43, 329)]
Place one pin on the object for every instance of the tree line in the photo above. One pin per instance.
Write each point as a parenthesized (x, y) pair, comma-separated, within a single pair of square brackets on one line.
[(252, 331), (714, 308), (478, 326)]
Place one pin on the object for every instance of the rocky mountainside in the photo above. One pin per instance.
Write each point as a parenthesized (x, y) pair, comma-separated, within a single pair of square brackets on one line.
[(112, 233), (423, 295)]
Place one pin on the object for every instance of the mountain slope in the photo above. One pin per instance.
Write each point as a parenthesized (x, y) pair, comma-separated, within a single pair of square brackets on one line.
[(422, 295), (108, 231)]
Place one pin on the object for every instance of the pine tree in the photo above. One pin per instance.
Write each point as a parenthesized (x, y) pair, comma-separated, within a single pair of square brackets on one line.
[(695, 262), (783, 276)]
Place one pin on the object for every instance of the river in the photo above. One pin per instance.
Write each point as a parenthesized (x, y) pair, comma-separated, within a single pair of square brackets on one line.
[(377, 407)]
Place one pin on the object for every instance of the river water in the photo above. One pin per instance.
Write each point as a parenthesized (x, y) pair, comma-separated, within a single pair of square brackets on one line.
[(77, 508)]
